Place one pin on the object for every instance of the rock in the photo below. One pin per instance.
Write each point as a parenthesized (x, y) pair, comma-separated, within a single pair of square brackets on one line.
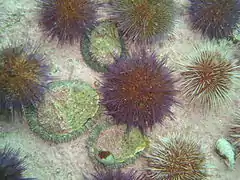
[(226, 150)]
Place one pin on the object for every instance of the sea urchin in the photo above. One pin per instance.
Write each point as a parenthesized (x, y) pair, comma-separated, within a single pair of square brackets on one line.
[(11, 165), (214, 18), (143, 21), (138, 90), (67, 20), (117, 175), (234, 133), (176, 158), (209, 78), (23, 77)]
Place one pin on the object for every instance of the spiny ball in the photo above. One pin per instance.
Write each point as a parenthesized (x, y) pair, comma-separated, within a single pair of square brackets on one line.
[(138, 90), (117, 175), (234, 133), (67, 20), (210, 74), (23, 77), (143, 21), (214, 18), (11, 165), (176, 158)]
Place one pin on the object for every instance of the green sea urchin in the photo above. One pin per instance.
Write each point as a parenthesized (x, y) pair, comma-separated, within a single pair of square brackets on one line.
[(67, 111), (209, 77), (143, 21), (23, 77), (176, 158)]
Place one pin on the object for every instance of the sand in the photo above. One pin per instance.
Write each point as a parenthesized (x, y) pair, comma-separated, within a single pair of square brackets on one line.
[(68, 161)]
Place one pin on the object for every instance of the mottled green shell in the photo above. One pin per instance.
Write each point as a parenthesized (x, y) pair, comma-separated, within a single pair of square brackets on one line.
[(132, 144), (101, 45), (67, 111)]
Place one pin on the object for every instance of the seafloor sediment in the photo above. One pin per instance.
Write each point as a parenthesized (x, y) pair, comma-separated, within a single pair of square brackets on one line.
[(69, 160)]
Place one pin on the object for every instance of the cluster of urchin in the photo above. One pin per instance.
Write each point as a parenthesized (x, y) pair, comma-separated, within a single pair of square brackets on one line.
[(138, 90), (139, 21)]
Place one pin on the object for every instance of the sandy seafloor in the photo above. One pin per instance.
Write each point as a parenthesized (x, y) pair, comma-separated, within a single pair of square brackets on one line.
[(67, 161)]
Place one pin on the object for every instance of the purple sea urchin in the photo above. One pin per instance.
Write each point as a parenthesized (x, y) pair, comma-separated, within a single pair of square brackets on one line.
[(23, 77), (209, 77), (143, 21), (176, 158), (138, 90), (117, 175), (11, 165), (214, 18), (67, 19)]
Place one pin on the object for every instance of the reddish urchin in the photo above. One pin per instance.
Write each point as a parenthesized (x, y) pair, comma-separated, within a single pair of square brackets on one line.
[(214, 18), (143, 21), (23, 77), (210, 76), (176, 158), (138, 90), (67, 20), (117, 175)]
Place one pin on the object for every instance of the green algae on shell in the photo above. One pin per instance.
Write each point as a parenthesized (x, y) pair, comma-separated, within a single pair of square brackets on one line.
[(100, 45), (67, 111), (123, 147)]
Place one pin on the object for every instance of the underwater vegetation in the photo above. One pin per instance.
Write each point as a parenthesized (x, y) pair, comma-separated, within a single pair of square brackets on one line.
[(12, 165), (67, 20), (143, 21), (138, 90), (214, 18), (176, 158), (23, 77), (209, 74), (116, 175)]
